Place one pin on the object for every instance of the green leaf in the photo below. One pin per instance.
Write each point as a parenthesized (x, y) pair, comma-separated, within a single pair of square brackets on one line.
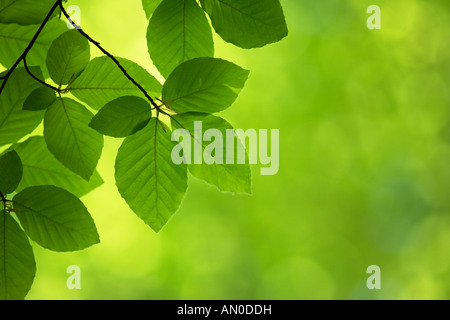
[(55, 219), (234, 178), (40, 167), (68, 55), (151, 184), (247, 23), (70, 139), (122, 117), (150, 6), (10, 172), (40, 99), (14, 39), (25, 11), (17, 265), (16, 123), (204, 85), (178, 31), (103, 81)]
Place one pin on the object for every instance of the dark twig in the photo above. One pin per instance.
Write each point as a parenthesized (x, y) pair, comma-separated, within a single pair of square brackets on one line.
[(97, 44), (59, 4), (36, 78), (30, 45)]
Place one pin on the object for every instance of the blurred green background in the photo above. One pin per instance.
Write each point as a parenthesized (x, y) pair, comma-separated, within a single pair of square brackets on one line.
[(364, 169)]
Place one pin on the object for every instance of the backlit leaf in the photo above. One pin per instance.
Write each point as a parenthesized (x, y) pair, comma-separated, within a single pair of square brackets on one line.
[(40, 99), (68, 55), (178, 31), (40, 167), (232, 177), (204, 85), (150, 6), (151, 184), (16, 123), (17, 265), (247, 23), (55, 219), (70, 139), (25, 11), (122, 117), (102, 81), (15, 38), (10, 172)]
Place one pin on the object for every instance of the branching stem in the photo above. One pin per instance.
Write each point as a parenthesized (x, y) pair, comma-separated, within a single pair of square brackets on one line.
[(22, 58), (36, 78), (30, 45), (109, 55)]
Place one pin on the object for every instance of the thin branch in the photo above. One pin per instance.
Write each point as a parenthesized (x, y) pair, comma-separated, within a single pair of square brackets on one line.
[(59, 4), (30, 45), (97, 44), (36, 78)]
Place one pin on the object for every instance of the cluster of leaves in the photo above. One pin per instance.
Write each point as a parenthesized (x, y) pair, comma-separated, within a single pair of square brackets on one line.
[(51, 216), (51, 78)]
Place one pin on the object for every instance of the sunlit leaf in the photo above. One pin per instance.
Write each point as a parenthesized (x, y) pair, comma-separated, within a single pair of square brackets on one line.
[(204, 85), (150, 6), (40, 167), (122, 117), (102, 81), (68, 55), (15, 38), (17, 265), (55, 219), (10, 172), (178, 31), (16, 123), (151, 184), (70, 139), (40, 99), (247, 23), (25, 11), (232, 177)]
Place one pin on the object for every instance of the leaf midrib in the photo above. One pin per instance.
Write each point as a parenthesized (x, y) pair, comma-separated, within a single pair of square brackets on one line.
[(9, 5), (156, 166), (48, 218), (4, 250), (195, 92), (66, 64), (73, 131)]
